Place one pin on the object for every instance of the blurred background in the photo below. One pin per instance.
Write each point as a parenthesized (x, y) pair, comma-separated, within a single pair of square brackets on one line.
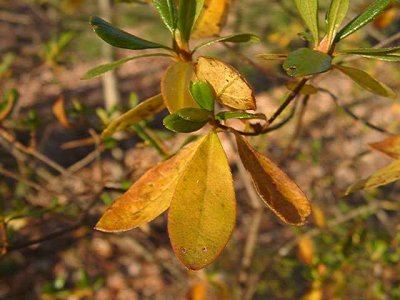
[(56, 178)]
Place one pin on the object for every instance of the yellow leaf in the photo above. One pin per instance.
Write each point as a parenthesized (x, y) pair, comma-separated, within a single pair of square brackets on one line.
[(175, 86), (389, 146), (319, 216), (203, 209), (306, 252), (384, 176), (212, 18), (149, 197), (274, 187), (198, 291), (231, 88), (59, 112), (143, 111)]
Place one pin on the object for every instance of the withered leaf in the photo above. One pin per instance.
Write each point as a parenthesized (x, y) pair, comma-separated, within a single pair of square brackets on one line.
[(230, 87), (389, 146), (274, 187), (59, 112), (149, 197)]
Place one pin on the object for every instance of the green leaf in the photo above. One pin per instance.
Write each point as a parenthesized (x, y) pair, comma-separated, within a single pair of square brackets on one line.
[(176, 123), (168, 13), (367, 82), (203, 93), (234, 38), (148, 197), (335, 17), (119, 38), (100, 70), (309, 12), (189, 11), (143, 111), (10, 98), (202, 214), (388, 174), (363, 19), (272, 56), (226, 115), (197, 115), (305, 61), (385, 54)]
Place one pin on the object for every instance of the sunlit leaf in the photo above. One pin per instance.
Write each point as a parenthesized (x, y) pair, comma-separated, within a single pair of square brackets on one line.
[(203, 93), (367, 82), (230, 87), (388, 174), (149, 197), (212, 18), (309, 12), (168, 13), (189, 11), (119, 38), (389, 146), (363, 19), (234, 38), (305, 61), (274, 187), (335, 17), (175, 86), (100, 70), (143, 111), (203, 209), (59, 112)]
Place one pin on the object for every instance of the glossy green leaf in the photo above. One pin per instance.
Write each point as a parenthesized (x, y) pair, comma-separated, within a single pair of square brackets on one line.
[(176, 123), (203, 93), (148, 197), (175, 86), (119, 38), (388, 174), (363, 19), (234, 38), (143, 111), (367, 82), (226, 115), (202, 214), (189, 11), (194, 114), (309, 12), (306, 61), (336, 14), (100, 70), (168, 13)]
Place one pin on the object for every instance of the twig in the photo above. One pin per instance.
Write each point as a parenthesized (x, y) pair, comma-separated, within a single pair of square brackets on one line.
[(353, 115)]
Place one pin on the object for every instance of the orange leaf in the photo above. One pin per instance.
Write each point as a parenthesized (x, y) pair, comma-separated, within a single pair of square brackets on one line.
[(274, 187), (212, 19), (59, 112), (149, 197), (389, 146)]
